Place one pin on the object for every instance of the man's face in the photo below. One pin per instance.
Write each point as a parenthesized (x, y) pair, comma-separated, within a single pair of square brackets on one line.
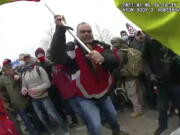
[(124, 34), (84, 32), (27, 60), (9, 71), (140, 36)]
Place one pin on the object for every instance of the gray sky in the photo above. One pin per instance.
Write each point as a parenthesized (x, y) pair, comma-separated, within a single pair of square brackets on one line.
[(23, 25)]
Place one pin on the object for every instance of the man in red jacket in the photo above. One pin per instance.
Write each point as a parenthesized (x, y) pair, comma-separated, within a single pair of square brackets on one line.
[(90, 74)]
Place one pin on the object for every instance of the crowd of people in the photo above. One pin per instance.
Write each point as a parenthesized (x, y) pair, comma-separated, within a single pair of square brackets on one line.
[(50, 92)]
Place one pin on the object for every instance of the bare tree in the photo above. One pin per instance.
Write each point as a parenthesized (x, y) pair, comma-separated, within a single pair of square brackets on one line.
[(51, 30), (45, 42), (102, 34)]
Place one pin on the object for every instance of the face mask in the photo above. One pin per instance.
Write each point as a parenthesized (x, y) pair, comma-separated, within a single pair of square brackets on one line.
[(21, 62), (41, 59), (125, 38)]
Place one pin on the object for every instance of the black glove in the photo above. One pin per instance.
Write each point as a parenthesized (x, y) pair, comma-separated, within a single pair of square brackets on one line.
[(68, 28)]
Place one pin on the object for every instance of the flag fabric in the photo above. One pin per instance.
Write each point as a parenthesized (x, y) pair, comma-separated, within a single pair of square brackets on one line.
[(16, 63), (131, 29), (157, 19), (28, 0), (7, 1)]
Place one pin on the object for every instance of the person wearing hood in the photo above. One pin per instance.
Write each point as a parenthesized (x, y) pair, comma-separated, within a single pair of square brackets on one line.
[(57, 98)]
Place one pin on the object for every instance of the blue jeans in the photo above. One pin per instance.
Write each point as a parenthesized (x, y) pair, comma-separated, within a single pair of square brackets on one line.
[(44, 105), (27, 122), (90, 111)]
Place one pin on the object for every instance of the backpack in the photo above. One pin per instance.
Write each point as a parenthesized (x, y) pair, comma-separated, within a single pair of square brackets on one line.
[(38, 71), (134, 64)]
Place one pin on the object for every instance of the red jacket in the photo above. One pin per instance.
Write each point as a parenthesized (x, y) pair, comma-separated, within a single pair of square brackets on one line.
[(6, 126), (89, 80), (63, 81)]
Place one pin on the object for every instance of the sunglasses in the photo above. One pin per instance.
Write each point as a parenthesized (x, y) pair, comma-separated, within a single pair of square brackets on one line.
[(85, 31)]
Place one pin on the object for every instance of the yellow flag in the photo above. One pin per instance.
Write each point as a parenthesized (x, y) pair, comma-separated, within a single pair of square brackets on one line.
[(5, 1), (158, 18)]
